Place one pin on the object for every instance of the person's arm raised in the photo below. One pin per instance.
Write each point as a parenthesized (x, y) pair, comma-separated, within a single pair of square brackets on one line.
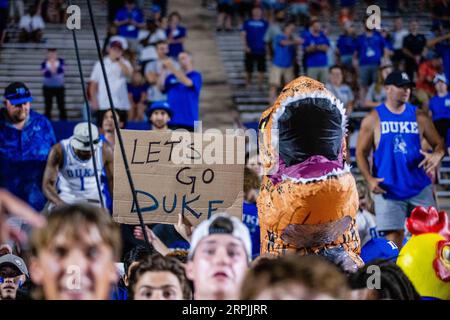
[(13, 206), (181, 76), (152, 238)]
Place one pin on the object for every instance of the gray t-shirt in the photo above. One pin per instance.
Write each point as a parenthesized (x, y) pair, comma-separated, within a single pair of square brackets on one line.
[(344, 93), (372, 95), (156, 66), (273, 30)]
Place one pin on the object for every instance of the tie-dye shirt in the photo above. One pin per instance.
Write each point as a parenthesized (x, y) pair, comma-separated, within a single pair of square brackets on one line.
[(23, 156)]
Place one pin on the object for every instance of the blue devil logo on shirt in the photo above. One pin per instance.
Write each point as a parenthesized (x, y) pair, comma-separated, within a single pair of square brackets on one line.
[(400, 144)]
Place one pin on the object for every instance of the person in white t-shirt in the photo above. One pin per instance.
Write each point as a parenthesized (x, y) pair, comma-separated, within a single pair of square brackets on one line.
[(31, 26), (364, 219), (148, 39), (118, 71)]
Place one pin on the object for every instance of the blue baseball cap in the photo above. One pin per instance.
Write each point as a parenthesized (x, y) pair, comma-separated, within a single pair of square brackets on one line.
[(17, 93), (159, 105), (379, 248), (155, 8)]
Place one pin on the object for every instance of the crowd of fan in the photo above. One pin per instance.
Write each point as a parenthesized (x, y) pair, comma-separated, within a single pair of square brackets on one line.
[(218, 259), (296, 36)]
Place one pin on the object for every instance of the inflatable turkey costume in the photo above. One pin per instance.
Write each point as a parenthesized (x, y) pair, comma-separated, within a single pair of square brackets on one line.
[(308, 199)]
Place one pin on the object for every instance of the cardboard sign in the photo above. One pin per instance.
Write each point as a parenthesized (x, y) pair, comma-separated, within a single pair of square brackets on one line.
[(178, 173)]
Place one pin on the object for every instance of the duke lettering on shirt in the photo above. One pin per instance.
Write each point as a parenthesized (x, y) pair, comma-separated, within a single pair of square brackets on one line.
[(399, 127), (79, 173)]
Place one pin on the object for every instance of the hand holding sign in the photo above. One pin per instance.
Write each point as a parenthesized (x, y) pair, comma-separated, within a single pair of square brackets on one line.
[(174, 175), (184, 228), (152, 238)]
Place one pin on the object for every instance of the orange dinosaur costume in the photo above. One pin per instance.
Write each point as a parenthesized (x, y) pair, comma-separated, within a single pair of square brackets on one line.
[(308, 199)]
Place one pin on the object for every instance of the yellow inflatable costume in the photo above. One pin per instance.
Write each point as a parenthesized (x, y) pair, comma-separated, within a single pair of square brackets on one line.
[(425, 258)]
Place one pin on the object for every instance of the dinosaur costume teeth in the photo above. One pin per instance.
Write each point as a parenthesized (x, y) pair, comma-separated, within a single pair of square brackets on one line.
[(308, 199)]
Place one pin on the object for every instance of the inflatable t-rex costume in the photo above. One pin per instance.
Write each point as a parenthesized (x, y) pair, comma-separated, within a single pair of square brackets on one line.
[(308, 199)]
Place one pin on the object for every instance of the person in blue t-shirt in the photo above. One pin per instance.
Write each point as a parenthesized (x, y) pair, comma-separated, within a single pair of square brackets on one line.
[(399, 177), (129, 20), (346, 46), (253, 31), (176, 34), (284, 52), (370, 50), (439, 106), (250, 210), (316, 46), (26, 138), (183, 91)]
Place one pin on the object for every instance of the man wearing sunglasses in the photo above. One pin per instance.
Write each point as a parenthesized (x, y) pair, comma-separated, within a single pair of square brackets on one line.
[(13, 273), (69, 176)]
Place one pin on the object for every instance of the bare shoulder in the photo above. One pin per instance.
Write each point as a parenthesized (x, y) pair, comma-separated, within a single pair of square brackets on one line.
[(56, 154), (57, 150), (370, 121), (422, 116)]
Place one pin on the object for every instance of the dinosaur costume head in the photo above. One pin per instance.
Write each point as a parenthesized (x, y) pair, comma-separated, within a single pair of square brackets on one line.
[(308, 199)]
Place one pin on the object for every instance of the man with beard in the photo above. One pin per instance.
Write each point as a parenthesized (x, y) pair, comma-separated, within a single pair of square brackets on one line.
[(74, 255), (159, 115), (400, 172), (219, 257), (26, 138), (13, 273)]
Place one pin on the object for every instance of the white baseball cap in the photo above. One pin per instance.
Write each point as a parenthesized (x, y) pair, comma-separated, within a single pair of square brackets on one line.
[(118, 40), (206, 228), (440, 77), (80, 139)]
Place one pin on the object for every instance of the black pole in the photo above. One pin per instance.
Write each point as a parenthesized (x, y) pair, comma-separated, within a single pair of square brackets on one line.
[(88, 110), (116, 123)]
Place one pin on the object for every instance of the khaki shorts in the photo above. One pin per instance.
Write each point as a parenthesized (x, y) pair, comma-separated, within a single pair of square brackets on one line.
[(278, 74), (391, 214)]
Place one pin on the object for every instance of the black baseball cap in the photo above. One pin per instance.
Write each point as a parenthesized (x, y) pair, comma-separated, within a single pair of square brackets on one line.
[(399, 79), (17, 93)]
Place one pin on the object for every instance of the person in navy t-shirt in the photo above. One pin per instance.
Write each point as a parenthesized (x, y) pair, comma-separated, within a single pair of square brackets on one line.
[(176, 34), (316, 46), (183, 91), (439, 105), (253, 31)]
